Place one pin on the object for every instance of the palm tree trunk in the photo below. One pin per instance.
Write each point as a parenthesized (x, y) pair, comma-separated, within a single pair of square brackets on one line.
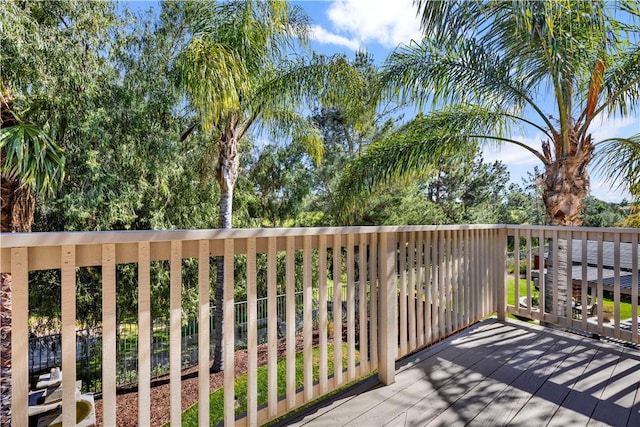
[(227, 174), (565, 184)]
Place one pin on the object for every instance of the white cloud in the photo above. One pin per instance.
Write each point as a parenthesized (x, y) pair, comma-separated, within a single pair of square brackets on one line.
[(511, 154), (321, 35), (615, 127), (371, 21)]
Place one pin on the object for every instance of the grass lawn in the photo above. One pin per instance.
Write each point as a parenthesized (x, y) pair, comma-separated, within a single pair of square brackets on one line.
[(625, 307), (216, 399)]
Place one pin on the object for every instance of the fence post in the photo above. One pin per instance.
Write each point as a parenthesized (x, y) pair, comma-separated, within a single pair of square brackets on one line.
[(501, 279), (387, 314)]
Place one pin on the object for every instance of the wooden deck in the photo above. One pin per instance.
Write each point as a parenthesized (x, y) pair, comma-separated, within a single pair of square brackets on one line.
[(496, 374)]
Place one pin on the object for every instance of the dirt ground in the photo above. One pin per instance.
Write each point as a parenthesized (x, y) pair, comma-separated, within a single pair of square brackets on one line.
[(127, 400)]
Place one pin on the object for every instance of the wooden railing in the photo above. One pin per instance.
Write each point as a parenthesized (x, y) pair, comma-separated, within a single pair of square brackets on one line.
[(597, 267), (407, 287)]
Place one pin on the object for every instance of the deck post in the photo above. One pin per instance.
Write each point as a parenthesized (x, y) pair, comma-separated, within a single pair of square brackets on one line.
[(501, 279), (387, 313)]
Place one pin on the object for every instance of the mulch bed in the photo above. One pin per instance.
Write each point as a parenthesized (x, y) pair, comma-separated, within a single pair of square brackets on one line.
[(127, 400)]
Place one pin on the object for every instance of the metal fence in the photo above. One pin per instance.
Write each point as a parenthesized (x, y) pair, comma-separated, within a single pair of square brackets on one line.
[(45, 351)]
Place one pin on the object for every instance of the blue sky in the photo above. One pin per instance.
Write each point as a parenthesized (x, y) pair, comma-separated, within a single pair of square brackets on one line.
[(380, 25), (343, 26)]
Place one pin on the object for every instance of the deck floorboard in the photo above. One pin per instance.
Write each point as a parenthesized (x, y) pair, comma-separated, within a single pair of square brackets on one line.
[(495, 374)]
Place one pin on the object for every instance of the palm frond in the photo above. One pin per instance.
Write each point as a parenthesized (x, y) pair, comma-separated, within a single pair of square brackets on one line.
[(214, 76), (618, 161), (466, 73), (415, 149), (287, 123), (32, 157)]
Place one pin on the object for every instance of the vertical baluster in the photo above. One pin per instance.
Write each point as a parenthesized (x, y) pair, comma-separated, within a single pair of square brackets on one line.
[(144, 333), (68, 335), (403, 293), (108, 334), (229, 335), (322, 290), (362, 309), (616, 284), (272, 325), (634, 287), (411, 294), (175, 335), (337, 310), (290, 309), (307, 310), (425, 293), (351, 318), (252, 336), (600, 291), (373, 298), (20, 336), (584, 288)]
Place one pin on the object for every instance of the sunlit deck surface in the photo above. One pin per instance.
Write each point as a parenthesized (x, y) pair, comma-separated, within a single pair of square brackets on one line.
[(496, 374)]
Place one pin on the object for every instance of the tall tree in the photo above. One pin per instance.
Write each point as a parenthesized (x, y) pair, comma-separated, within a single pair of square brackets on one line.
[(489, 65), (30, 163), (44, 48), (237, 75)]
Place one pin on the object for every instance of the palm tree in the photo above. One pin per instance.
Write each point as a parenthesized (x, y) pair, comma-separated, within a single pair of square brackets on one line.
[(486, 66), (30, 163), (239, 77)]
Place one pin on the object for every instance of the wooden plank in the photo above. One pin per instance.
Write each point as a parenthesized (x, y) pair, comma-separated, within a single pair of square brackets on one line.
[(425, 291), (272, 331), (569, 301), (20, 336), (388, 308), (291, 321), (528, 272), (175, 332), (616, 285), (582, 399), (617, 399), (516, 268), (307, 310), (584, 314), (364, 330), (403, 320), (522, 377), (556, 268), (442, 292), (411, 292), (337, 309), (435, 286), (545, 402), (634, 289), (144, 333), (373, 299), (421, 284), (479, 395), (599, 285), (433, 383), (448, 299), (458, 280), (423, 312), (229, 334), (351, 310), (541, 272), (467, 279), (252, 336), (68, 334), (501, 280), (108, 333), (322, 290)]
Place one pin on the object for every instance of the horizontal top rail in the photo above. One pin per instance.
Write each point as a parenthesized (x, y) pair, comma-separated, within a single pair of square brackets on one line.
[(58, 238)]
